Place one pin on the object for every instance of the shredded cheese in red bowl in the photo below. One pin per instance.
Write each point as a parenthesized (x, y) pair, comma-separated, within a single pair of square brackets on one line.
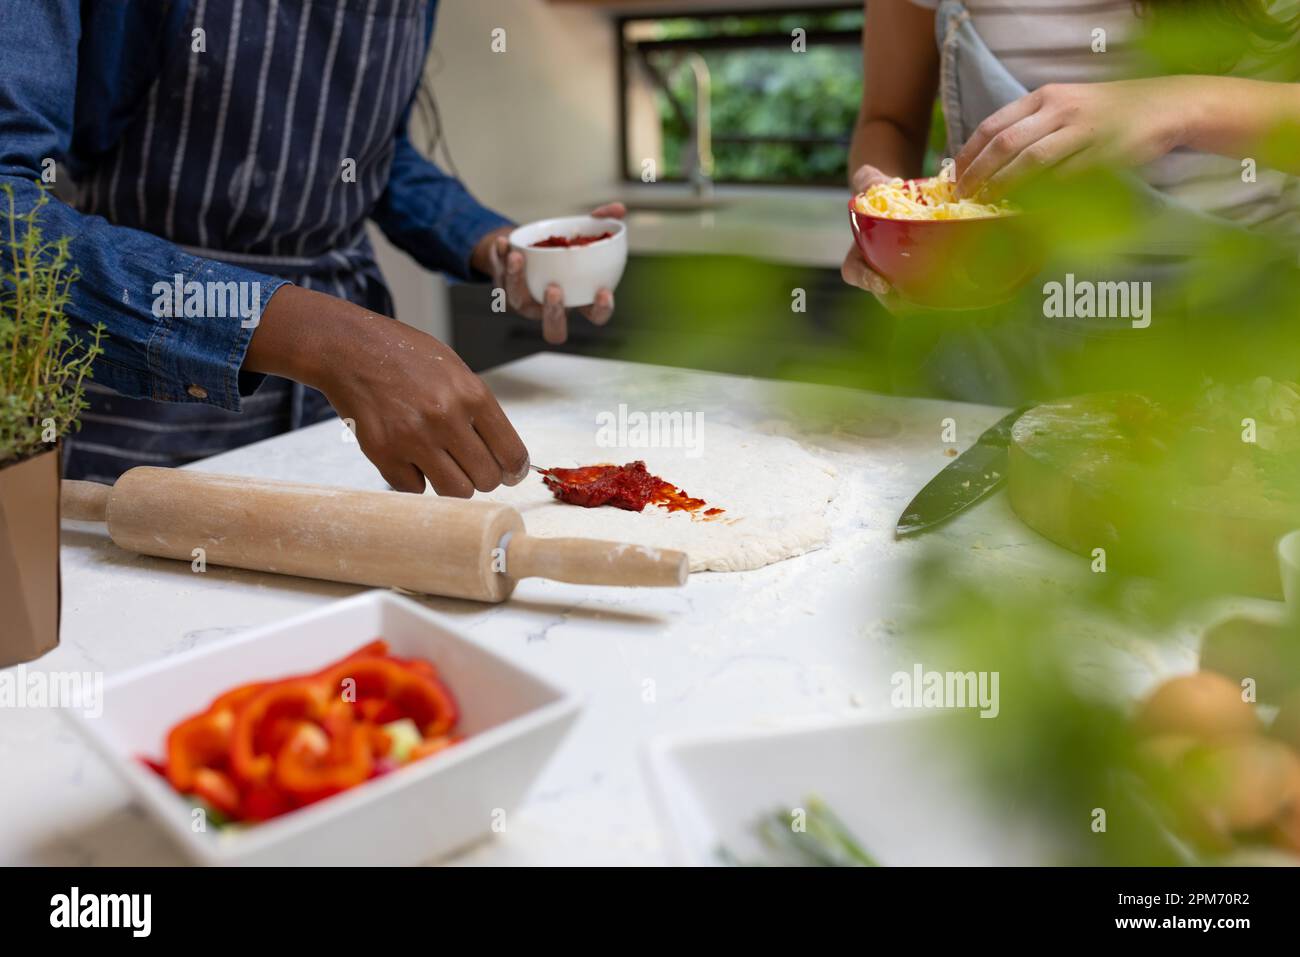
[(924, 199), (940, 251)]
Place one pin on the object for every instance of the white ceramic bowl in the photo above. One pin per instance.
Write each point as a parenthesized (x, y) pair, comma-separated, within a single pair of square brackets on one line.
[(512, 719), (579, 270), (896, 795)]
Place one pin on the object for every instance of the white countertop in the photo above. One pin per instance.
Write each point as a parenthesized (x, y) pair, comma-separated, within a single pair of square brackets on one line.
[(810, 637)]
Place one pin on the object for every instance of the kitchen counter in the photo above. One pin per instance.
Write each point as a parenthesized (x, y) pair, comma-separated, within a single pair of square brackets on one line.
[(791, 227), (796, 226), (807, 638)]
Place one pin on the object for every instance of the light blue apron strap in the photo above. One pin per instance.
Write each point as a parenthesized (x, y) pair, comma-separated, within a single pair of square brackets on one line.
[(973, 83)]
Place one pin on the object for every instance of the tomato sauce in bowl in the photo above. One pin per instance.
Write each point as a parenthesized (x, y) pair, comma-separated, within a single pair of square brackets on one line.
[(569, 242)]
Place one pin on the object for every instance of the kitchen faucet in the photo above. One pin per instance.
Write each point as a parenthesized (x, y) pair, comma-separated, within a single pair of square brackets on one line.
[(700, 172)]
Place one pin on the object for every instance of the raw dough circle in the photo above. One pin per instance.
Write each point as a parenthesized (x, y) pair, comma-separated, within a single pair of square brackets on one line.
[(774, 491)]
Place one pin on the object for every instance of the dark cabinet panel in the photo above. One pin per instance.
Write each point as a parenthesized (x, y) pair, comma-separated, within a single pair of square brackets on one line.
[(725, 314)]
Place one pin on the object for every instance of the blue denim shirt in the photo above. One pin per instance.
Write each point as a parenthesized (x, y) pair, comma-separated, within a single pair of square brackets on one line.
[(72, 75)]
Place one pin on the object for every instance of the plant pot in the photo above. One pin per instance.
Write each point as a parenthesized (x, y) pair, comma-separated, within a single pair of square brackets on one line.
[(29, 558)]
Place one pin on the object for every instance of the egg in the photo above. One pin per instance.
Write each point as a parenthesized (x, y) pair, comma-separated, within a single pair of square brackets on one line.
[(1204, 705), (1240, 783)]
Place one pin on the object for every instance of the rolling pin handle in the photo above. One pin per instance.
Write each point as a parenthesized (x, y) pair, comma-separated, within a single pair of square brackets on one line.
[(84, 501), (585, 561)]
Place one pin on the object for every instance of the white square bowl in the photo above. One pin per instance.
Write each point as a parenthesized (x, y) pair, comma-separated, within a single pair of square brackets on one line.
[(512, 721), (904, 803)]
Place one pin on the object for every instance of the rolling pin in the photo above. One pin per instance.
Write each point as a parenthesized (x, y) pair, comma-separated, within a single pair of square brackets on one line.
[(422, 543)]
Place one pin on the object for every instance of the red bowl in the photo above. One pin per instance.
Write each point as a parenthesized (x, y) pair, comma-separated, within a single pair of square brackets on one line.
[(950, 263)]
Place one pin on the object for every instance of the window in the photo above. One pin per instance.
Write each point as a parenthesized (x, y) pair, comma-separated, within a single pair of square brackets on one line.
[(771, 114)]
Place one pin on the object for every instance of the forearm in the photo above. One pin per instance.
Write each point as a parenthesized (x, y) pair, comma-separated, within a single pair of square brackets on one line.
[(302, 334), (1242, 118), (412, 405), (901, 73), (883, 144)]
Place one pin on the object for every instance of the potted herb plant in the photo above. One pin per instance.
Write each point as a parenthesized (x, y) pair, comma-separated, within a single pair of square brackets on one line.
[(42, 371)]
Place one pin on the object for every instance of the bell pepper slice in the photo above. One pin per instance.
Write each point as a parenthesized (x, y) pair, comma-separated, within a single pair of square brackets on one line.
[(197, 743), (375, 649), (264, 748), (266, 721), (203, 740), (236, 698), (312, 765), (218, 790), (263, 802), (400, 691), (418, 665)]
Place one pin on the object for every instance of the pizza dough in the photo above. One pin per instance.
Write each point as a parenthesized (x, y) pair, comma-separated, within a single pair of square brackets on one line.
[(774, 493)]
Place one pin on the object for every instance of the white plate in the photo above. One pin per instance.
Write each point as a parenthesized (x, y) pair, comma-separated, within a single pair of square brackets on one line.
[(905, 804), (512, 719)]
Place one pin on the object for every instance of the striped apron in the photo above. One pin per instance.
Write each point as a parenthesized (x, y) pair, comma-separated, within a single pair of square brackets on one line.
[(237, 155)]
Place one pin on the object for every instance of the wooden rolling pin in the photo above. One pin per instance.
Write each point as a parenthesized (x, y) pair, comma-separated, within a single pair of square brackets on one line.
[(422, 543)]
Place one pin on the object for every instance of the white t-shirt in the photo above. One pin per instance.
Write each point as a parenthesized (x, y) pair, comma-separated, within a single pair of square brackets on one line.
[(1051, 41)]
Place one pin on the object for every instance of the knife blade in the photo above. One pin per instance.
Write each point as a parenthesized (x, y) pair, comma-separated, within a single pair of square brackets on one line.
[(975, 474)]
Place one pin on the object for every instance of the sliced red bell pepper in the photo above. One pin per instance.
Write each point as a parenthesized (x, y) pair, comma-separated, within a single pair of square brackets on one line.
[(311, 765), (263, 802), (203, 740), (199, 742), (402, 693), (236, 698), (218, 790), (295, 738), (267, 720), (417, 665), (157, 767), (375, 649), (264, 748)]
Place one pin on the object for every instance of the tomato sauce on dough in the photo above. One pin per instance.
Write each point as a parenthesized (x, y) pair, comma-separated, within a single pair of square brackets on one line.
[(631, 487)]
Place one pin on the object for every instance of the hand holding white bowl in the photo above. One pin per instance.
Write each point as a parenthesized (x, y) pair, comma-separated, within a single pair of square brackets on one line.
[(543, 287)]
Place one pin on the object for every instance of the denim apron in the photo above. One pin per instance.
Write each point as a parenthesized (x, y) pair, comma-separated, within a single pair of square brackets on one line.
[(1030, 357), (236, 154)]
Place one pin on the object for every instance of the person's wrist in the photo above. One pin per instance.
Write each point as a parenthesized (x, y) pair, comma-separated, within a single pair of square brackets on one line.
[(480, 259), (301, 334), (1185, 103)]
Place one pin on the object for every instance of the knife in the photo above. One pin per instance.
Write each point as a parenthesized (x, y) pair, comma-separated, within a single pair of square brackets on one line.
[(975, 474)]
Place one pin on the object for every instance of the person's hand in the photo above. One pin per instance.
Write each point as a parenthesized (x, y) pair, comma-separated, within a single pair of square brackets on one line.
[(494, 257), (855, 270), (1072, 127), (415, 408)]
